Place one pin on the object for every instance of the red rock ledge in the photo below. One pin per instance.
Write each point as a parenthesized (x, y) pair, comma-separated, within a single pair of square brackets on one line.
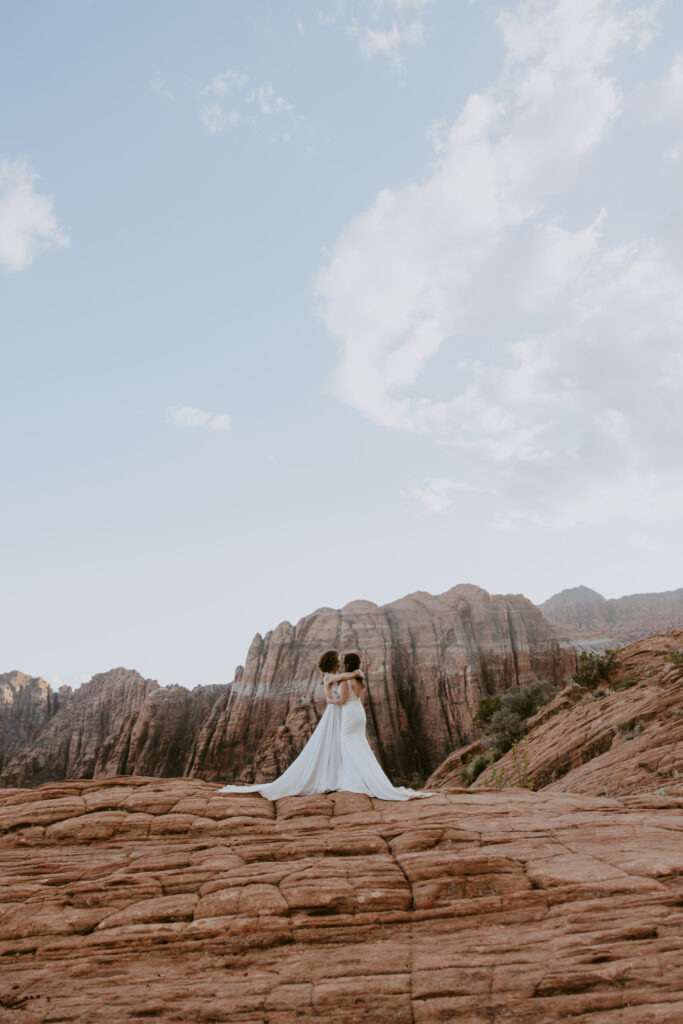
[(134, 899)]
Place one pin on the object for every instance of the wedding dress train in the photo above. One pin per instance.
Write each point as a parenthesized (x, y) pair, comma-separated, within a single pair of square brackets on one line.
[(315, 770), (337, 756)]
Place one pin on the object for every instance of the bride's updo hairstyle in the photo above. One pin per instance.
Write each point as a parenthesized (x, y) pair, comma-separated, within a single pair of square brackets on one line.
[(329, 661), (351, 662)]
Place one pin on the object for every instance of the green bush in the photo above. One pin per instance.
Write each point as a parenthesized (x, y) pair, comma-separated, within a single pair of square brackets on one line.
[(503, 716), (525, 701), (517, 775), (508, 723), (628, 680), (478, 764), (594, 669), (675, 657), (504, 728), (487, 707), (474, 769)]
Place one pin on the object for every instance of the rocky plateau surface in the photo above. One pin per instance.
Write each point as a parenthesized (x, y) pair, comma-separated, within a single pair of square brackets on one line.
[(625, 737), (428, 661), (619, 620), (137, 899)]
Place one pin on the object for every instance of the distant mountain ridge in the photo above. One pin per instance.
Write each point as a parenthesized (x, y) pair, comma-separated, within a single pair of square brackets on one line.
[(621, 620)]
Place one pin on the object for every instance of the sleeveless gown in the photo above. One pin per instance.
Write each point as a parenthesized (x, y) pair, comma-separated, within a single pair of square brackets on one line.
[(360, 769), (336, 757)]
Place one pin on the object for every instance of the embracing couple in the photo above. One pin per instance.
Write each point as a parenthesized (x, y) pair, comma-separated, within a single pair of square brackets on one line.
[(338, 755)]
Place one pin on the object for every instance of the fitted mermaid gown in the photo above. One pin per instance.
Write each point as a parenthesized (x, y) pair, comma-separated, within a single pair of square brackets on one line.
[(337, 756), (360, 769)]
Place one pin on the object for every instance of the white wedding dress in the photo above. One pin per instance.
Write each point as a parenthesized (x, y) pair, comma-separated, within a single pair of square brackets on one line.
[(337, 756)]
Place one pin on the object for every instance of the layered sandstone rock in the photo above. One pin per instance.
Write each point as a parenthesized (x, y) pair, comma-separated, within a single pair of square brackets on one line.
[(118, 723), (620, 620), (138, 899), (27, 705), (428, 661), (98, 730), (624, 738)]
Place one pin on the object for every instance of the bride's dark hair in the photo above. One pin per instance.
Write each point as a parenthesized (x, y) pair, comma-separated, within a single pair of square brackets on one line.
[(329, 661), (351, 662)]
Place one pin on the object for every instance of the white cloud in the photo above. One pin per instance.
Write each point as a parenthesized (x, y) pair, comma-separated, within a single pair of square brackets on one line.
[(573, 405), (666, 97), (188, 416), (268, 101), (226, 103), (384, 28), (216, 118), (221, 421), (158, 86), (437, 496), (229, 83), (663, 102), (28, 225)]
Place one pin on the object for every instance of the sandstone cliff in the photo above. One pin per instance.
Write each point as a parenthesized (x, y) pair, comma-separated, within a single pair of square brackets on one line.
[(117, 723), (140, 899), (624, 738), (27, 703), (618, 620), (428, 661)]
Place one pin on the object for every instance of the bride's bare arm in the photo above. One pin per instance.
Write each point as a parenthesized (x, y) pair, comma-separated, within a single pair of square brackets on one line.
[(343, 690), (341, 676)]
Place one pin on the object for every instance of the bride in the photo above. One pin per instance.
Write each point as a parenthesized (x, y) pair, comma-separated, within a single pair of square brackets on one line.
[(338, 755)]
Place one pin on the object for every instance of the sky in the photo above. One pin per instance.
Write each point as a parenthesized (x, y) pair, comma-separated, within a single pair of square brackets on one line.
[(321, 301)]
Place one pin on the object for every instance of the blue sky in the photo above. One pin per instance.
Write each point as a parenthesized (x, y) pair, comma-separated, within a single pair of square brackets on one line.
[(310, 302)]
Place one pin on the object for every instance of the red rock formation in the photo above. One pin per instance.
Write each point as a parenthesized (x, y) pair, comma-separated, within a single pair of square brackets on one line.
[(27, 704), (428, 661), (623, 739), (620, 620), (81, 738), (137, 899)]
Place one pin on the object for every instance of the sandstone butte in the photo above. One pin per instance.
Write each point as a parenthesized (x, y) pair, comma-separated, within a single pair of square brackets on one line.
[(428, 660), (137, 899), (624, 738)]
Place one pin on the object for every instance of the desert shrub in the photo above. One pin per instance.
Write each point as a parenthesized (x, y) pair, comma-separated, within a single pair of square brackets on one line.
[(474, 768), (525, 701), (504, 728), (487, 707), (518, 772), (675, 657), (594, 669), (628, 680), (520, 765), (504, 715)]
